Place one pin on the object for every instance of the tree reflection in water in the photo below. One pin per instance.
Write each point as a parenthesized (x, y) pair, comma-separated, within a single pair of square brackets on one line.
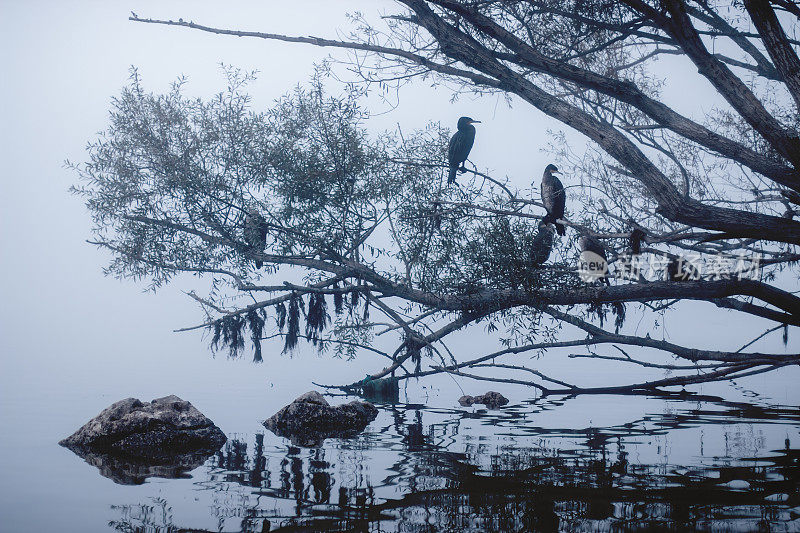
[(403, 475)]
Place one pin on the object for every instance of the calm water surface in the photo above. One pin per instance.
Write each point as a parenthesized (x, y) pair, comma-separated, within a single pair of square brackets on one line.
[(701, 465), (605, 463)]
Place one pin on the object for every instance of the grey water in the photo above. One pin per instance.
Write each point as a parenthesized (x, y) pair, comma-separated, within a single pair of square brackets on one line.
[(724, 458)]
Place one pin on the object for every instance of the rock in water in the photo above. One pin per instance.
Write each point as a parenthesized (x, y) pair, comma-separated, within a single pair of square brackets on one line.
[(491, 399), (309, 420), (381, 390), (466, 400), (155, 431)]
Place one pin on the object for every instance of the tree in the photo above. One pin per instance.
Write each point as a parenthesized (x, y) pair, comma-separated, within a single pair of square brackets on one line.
[(373, 227)]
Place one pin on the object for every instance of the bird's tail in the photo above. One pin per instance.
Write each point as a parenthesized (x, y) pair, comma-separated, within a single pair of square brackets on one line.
[(259, 264), (451, 177), (550, 219)]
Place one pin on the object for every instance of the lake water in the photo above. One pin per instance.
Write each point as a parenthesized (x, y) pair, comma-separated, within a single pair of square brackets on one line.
[(725, 460)]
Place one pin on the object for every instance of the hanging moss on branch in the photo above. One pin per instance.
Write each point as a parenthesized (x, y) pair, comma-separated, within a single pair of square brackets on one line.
[(317, 318), (280, 313), (293, 323), (256, 320), (599, 310), (338, 300)]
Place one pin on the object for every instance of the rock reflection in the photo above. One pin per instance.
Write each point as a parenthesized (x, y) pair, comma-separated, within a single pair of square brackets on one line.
[(127, 470), (409, 475)]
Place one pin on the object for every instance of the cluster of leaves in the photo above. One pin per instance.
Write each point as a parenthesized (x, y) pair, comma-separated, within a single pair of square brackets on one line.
[(167, 163), (504, 254), (172, 180)]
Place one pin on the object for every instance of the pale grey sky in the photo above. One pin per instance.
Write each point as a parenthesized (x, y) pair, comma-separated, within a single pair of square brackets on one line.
[(64, 61)]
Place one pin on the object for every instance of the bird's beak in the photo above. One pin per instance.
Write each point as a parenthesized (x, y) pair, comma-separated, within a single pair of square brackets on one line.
[(474, 121)]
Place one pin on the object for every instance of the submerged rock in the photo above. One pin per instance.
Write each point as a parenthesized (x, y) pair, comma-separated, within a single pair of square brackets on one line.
[(158, 432), (381, 390), (491, 399), (310, 419)]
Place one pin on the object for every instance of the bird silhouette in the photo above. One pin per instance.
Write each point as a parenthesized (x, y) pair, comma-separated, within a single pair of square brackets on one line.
[(255, 232), (635, 241), (542, 244), (554, 198), (460, 144), (678, 269), (587, 243)]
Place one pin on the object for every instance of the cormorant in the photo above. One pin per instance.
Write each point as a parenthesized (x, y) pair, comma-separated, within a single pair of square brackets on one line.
[(678, 269), (587, 243), (460, 145), (635, 241), (255, 232), (553, 197), (542, 244)]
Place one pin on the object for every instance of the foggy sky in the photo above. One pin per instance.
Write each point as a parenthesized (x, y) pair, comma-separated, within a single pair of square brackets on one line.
[(62, 323)]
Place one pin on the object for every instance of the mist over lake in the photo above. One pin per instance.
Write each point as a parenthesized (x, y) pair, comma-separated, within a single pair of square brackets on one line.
[(310, 228)]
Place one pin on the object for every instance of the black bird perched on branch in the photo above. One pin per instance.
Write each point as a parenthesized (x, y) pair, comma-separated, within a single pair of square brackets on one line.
[(542, 244), (255, 232), (554, 198), (460, 145), (679, 269), (635, 241), (587, 243)]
